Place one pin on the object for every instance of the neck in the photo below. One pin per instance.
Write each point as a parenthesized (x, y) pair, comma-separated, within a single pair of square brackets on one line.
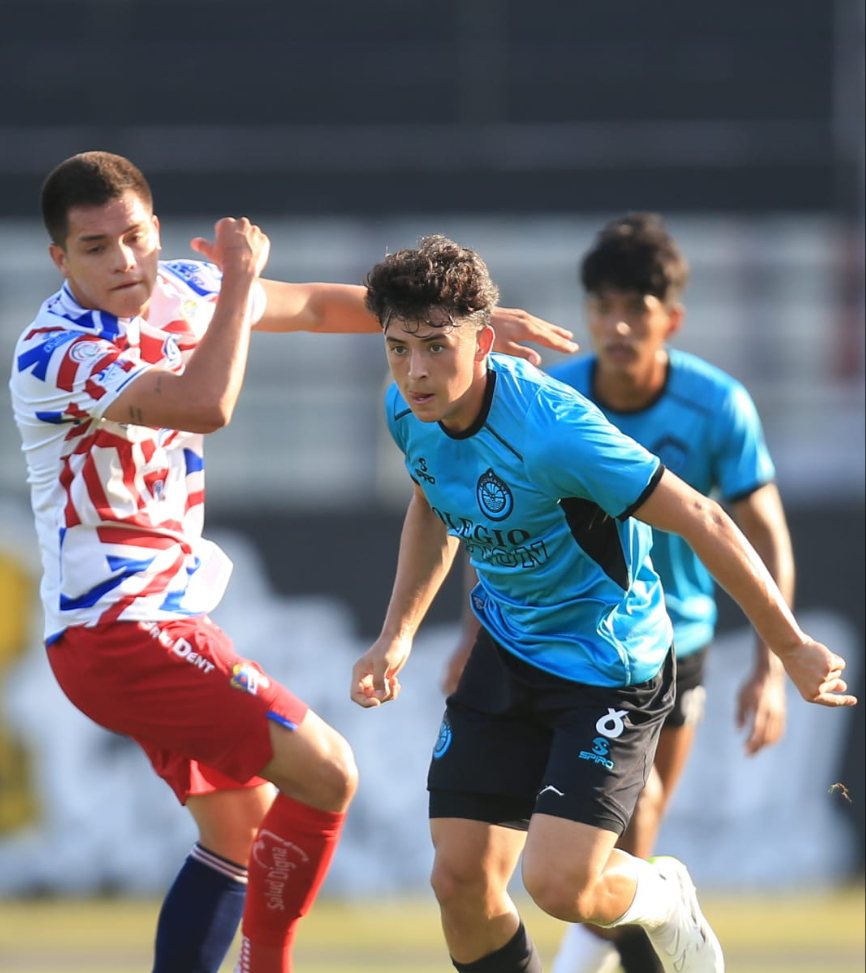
[(631, 391)]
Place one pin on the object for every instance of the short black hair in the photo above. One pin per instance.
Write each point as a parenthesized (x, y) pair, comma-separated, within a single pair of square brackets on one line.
[(438, 273), (88, 179), (636, 253)]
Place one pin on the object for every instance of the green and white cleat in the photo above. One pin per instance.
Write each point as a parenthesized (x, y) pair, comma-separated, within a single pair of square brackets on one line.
[(685, 943)]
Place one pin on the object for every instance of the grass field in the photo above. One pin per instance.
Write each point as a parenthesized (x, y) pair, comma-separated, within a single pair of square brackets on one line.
[(823, 933)]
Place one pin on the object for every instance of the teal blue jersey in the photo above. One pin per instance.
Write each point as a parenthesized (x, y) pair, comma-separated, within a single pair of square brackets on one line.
[(705, 428), (540, 490)]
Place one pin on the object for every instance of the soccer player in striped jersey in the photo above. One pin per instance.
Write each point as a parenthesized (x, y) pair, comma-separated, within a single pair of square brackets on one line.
[(114, 385), (546, 744)]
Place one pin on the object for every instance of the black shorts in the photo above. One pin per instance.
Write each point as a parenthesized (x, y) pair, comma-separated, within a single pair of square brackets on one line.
[(691, 696), (516, 740)]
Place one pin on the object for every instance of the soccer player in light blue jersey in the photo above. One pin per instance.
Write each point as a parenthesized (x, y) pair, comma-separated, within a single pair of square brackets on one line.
[(547, 742), (704, 426)]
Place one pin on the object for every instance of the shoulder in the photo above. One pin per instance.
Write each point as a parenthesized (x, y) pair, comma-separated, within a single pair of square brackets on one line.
[(701, 380), (686, 367), (575, 371), (198, 276)]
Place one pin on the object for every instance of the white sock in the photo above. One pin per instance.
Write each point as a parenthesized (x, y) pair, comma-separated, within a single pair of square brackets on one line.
[(581, 951), (653, 901)]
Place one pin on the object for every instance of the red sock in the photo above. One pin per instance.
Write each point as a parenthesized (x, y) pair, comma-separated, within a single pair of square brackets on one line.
[(288, 863)]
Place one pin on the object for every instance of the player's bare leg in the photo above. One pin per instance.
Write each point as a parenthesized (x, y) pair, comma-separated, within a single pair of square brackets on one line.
[(473, 865)]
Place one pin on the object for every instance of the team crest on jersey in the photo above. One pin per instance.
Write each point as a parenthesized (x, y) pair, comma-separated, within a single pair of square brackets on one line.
[(494, 497), (672, 452), (249, 678), (83, 351)]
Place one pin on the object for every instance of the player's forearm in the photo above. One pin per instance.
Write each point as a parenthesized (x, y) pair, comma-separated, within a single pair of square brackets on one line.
[(426, 555), (319, 307), (761, 517)]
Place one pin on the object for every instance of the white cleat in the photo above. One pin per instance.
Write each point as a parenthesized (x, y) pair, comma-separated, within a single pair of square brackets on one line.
[(685, 943)]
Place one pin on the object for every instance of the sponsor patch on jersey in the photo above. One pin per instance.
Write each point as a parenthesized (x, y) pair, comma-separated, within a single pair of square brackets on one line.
[(249, 678)]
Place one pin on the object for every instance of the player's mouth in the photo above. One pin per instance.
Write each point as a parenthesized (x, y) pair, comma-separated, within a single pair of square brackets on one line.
[(420, 398), (620, 352)]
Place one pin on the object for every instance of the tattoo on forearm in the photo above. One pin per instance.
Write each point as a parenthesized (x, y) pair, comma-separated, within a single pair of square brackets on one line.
[(158, 386), (136, 416)]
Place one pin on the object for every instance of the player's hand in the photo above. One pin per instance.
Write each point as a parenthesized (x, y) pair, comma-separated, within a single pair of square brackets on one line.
[(374, 675), (514, 327), (238, 245), (761, 707), (817, 673), (456, 664)]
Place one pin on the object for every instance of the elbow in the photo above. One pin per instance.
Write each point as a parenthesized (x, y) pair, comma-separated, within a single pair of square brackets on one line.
[(211, 418)]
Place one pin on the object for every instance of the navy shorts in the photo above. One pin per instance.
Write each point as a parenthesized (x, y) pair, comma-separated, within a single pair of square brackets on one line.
[(516, 740)]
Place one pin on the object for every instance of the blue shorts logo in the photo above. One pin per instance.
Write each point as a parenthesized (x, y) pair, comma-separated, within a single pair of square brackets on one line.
[(494, 497), (443, 741)]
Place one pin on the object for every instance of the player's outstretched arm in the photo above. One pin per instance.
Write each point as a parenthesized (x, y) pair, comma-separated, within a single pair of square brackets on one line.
[(426, 554), (339, 309), (814, 669)]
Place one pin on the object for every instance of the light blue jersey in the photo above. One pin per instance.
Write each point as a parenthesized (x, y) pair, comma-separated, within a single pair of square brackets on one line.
[(539, 490), (705, 428)]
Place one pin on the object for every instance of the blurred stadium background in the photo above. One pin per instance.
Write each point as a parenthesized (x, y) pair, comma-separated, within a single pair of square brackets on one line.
[(350, 129)]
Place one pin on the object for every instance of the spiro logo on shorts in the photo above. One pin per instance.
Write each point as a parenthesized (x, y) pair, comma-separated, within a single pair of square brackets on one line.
[(612, 725), (443, 741), (247, 677), (609, 727), (600, 753)]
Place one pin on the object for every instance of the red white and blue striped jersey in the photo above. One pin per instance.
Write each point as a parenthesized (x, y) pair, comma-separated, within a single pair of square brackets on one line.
[(119, 508)]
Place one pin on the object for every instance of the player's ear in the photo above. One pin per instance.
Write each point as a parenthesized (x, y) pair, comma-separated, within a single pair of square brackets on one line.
[(676, 316), (484, 342), (58, 256)]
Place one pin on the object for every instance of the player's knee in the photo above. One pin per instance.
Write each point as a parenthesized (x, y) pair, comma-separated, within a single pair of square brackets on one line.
[(559, 895), (339, 773), (453, 885)]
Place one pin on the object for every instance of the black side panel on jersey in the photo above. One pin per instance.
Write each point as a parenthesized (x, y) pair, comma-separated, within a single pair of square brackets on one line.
[(598, 536)]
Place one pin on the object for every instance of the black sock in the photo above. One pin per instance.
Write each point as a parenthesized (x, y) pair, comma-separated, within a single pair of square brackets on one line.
[(636, 952), (518, 955)]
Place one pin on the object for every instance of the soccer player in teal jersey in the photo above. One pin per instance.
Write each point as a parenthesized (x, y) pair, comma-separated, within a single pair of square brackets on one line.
[(704, 426), (546, 744)]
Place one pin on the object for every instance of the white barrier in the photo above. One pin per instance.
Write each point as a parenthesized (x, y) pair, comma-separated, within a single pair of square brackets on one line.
[(106, 821)]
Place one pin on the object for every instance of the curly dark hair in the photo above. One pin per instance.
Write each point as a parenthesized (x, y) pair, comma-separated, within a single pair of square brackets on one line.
[(438, 273), (88, 179), (636, 253)]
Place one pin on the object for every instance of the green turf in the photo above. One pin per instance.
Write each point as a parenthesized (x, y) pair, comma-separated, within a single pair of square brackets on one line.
[(822, 933)]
